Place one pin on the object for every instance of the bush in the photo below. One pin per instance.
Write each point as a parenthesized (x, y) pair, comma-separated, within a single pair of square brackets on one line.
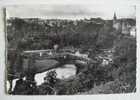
[(125, 60)]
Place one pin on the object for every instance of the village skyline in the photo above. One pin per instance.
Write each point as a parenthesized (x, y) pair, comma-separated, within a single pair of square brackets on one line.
[(72, 12)]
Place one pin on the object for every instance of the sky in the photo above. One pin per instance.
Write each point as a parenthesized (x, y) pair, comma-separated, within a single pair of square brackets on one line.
[(65, 11)]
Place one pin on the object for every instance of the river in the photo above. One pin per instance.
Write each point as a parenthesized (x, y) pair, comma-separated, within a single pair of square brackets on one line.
[(64, 72)]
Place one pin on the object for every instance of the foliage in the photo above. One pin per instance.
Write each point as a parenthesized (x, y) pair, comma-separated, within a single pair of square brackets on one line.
[(125, 60), (65, 34), (48, 87), (118, 77)]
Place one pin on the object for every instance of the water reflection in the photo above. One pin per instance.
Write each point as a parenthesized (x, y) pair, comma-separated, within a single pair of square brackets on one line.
[(64, 72)]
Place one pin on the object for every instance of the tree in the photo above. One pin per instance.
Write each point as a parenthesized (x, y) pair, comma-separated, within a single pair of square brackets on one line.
[(125, 60)]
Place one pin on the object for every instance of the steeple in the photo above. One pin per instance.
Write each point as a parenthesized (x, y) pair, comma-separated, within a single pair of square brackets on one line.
[(115, 17)]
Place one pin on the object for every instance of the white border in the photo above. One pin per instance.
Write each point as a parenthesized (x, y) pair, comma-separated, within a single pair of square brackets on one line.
[(132, 96)]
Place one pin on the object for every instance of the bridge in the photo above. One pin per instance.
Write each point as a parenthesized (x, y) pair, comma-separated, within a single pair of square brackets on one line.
[(44, 60)]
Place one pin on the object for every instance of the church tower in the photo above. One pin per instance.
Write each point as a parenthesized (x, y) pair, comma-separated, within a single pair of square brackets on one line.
[(116, 24), (114, 18)]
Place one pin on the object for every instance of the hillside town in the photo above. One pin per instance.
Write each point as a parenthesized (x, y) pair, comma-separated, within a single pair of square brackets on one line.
[(66, 57)]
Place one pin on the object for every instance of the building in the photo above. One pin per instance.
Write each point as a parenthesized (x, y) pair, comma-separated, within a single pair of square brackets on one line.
[(116, 23), (133, 31), (125, 26)]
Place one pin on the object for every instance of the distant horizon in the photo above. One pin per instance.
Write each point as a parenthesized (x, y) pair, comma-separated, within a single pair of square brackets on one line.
[(43, 18), (71, 11)]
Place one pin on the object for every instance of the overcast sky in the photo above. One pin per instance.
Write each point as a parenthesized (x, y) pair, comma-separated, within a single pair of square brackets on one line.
[(71, 11)]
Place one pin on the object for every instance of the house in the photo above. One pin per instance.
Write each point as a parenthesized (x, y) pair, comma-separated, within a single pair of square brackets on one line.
[(133, 31), (125, 26)]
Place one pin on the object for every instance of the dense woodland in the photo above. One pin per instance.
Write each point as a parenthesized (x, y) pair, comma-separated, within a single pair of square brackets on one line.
[(93, 34)]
